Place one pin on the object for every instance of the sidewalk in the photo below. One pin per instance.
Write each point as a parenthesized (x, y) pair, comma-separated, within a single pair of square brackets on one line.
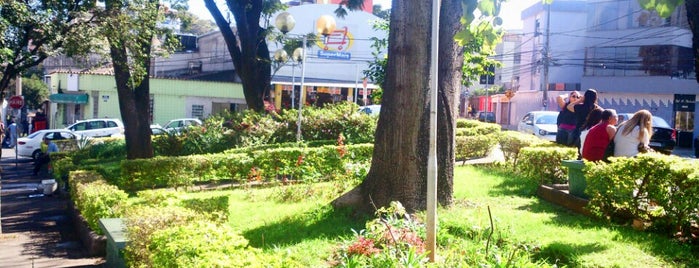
[(36, 229)]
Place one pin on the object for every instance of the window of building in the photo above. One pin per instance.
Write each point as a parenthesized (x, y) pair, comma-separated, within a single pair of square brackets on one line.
[(653, 60), (198, 111)]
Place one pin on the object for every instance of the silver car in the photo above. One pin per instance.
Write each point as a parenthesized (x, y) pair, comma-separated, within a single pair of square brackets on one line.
[(540, 123)]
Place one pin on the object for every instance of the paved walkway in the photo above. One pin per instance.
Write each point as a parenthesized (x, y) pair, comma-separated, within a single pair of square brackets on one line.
[(36, 229)]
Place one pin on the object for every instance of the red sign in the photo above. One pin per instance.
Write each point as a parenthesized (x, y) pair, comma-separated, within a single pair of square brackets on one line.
[(16, 102)]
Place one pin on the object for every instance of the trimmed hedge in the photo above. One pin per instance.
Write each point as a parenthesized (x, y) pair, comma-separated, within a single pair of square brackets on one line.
[(467, 147), (543, 164), (512, 142), (95, 199), (319, 163), (663, 190)]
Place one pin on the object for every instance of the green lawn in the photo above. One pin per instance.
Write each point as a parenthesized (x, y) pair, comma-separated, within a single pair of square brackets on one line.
[(295, 222)]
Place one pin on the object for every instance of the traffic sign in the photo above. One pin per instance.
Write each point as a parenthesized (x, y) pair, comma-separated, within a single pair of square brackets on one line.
[(16, 102)]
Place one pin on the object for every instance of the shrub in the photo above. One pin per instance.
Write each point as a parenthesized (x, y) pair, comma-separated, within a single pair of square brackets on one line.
[(141, 222), (393, 239), (202, 244), (511, 142), (653, 187), (96, 200), (473, 146), (480, 129), (214, 208), (543, 164), (327, 123)]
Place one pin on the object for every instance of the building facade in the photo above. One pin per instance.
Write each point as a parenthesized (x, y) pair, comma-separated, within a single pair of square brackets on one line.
[(632, 57), (77, 96)]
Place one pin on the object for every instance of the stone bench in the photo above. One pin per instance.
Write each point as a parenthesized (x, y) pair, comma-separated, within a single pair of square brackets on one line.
[(115, 230)]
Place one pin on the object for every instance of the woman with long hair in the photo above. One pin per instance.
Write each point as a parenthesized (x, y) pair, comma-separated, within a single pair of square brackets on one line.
[(599, 136), (582, 108), (593, 119), (634, 133)]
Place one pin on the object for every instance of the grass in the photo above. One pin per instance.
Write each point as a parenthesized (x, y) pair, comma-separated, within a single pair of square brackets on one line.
[(296, 223)]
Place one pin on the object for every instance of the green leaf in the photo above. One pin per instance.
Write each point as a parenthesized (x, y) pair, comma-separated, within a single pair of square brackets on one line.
[(487, 7)]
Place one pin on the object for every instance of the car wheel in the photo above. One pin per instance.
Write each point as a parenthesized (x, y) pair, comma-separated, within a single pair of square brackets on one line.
[(35, 154)]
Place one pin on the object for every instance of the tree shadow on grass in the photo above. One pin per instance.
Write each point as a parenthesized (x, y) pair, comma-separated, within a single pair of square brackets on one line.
[(659, 245), (317, 223), (566, 254), (512, 184)]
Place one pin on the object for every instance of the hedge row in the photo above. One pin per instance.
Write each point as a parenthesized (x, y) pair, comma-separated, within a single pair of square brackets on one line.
[(258, 165), (660, 189)]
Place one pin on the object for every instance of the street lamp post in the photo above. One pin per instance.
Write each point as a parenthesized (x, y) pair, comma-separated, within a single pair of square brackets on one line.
[(325, 25)]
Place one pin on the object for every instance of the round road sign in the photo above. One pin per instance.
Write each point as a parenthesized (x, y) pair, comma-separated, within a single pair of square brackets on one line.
[(16, 102)]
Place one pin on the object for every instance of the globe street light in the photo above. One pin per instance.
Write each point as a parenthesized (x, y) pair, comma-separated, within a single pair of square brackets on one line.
[(285, 22)]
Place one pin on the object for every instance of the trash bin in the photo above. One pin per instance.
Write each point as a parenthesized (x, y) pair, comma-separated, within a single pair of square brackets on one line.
[(49, 186)]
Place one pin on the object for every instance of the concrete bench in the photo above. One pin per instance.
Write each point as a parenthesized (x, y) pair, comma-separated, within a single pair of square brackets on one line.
[(115, 230)]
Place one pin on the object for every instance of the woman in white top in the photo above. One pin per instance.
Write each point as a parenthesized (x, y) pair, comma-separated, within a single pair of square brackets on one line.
[(636, 130)]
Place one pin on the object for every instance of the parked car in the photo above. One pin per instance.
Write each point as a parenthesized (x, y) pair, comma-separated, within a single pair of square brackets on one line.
[(664, 136), (371, 109), (540, 123), (30, 146), (101, 127), (486, 117), (158, 130), (177, 125)]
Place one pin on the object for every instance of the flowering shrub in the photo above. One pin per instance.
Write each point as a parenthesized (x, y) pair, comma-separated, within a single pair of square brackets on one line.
[(393, 239)]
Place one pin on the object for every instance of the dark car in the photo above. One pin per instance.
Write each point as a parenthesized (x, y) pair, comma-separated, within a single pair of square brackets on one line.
[(486, 117), (664, 137)]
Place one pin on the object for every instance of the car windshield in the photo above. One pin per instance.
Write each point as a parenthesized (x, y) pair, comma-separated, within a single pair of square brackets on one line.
[(659, 122), (546, 119)]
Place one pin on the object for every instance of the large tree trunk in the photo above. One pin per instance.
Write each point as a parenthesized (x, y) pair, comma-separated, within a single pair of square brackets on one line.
[(399, 165), (451, 59), (134, 96), (693, 19), (248, 48)]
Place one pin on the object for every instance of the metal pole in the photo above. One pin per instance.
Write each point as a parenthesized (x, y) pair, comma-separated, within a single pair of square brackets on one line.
[(293, 82), (431, 240), (302, 90), (356, 84), (546, 57)]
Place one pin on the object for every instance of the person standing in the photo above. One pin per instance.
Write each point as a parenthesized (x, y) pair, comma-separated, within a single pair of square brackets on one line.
[(566, 119), (634, 133), (47, 148), (599, 136), (581, 108), (12, 129)]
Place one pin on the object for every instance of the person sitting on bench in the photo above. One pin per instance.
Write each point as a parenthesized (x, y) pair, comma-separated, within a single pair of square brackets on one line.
[(47, 148)]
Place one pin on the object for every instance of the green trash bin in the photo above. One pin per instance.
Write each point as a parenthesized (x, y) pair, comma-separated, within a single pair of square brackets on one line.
[(576, 178)]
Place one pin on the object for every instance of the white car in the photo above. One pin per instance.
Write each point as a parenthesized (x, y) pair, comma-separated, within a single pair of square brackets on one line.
[(540, 123), (176, 125), (101, 127), (30, 146)]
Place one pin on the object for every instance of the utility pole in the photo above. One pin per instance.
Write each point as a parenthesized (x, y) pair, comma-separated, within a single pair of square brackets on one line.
[(546, 58)]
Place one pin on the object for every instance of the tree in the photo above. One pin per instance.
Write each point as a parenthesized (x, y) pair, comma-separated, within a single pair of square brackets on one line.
[(193, 24), (399, 164), (130, 27), (248, 45), (32, 30), (34, 90)]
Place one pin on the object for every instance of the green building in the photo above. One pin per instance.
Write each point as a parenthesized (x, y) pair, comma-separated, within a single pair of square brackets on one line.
[(78, 96)]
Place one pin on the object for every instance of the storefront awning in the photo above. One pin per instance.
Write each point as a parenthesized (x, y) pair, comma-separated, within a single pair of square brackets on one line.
[(68, 98)]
